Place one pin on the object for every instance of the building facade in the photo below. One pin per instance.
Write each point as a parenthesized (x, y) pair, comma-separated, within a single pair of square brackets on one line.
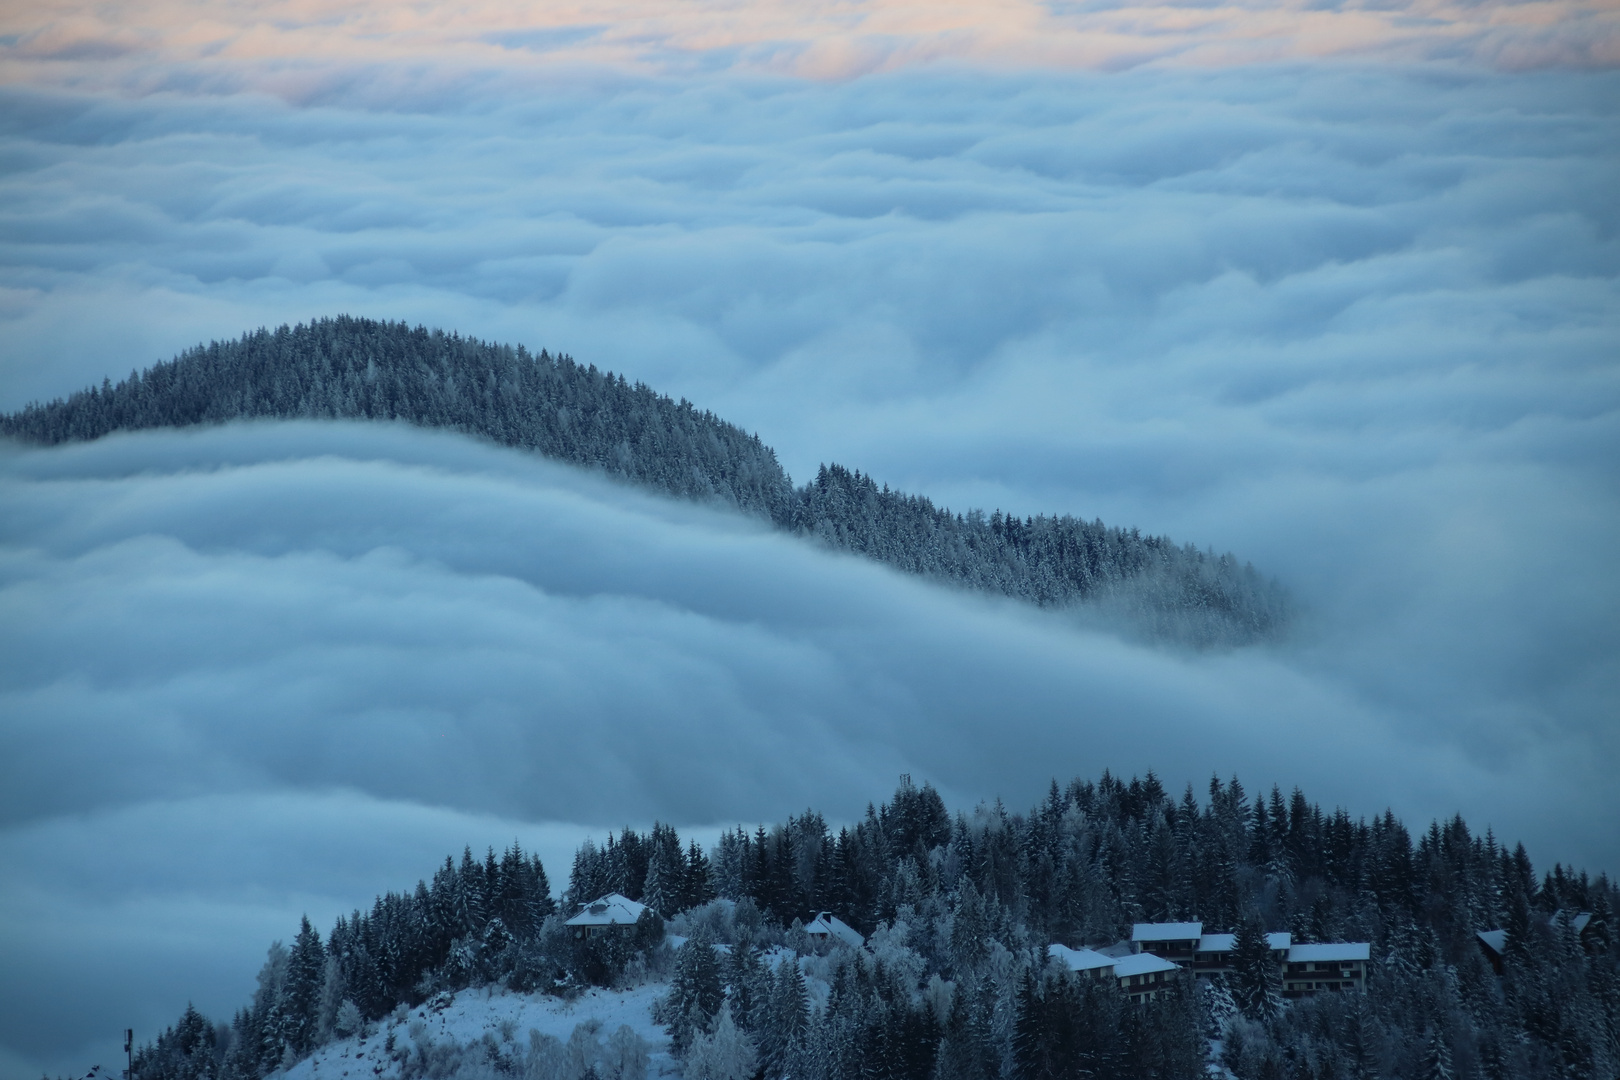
[(1163, 950), (1334, 967), (1177, 942)]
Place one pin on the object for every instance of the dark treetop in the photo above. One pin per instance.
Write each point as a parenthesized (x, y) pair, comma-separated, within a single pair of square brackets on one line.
[(361, 369)]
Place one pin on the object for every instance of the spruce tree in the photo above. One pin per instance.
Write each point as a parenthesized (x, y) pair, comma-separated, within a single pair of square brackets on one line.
[(695, 991), (1035, 1049), (750, 985), (300, 998), (665, 881), (698, 887), (1437, 1057), (1257, 984), (727, 1053), (787, 1016)]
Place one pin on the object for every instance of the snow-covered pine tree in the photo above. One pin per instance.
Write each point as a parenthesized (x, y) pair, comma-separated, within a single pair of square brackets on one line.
[(749, 988), (695, 992), (1256, 982), (624, 1056), (665, 887), (1437, 1057), (726, 1053), (787, 1015), (587, 881), (698, 886), (301, 992)]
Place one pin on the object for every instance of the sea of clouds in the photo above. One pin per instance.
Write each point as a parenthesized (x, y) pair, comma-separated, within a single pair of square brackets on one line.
[(1358, 324), (265, 670)]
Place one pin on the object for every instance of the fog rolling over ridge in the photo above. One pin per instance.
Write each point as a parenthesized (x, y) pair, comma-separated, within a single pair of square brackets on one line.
[(358, 368), (1356, 322)]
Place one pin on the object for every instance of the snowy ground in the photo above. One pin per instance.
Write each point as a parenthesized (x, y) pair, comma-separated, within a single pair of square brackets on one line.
[(507, 1016)]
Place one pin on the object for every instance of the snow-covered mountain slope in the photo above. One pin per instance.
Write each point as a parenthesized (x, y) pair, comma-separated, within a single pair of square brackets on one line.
[(463, 1020)]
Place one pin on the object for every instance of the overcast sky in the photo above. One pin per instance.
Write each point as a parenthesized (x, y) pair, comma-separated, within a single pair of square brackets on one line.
[(1331, 287)]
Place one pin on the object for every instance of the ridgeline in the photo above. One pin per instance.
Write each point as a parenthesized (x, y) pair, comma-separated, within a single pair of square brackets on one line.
[(348, 368)]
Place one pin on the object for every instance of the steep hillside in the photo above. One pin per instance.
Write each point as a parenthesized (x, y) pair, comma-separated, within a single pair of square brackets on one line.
[(362, 369)]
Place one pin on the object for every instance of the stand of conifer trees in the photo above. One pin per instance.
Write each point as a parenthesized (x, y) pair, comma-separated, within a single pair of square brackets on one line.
[(954, 983), (362, 369)]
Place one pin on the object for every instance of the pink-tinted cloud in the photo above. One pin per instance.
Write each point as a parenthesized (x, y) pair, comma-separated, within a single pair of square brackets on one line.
[(301, 49)]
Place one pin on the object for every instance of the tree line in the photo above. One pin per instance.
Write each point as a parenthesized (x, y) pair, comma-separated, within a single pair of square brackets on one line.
[(363, 369), (955, 982)]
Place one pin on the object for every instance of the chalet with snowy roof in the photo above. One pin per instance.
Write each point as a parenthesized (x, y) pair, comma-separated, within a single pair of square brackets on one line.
[(1144, 976), (1214, 953), (1141, 976), (1578, 921), (1084, 961), (611, 913), (1326, 966), (1176, 941), (828, 927), (1493, 943)]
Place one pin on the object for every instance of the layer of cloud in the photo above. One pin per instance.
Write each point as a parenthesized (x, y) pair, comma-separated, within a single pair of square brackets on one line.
[(1358, 325), (290, 49), (1172, 276), (263, 670)]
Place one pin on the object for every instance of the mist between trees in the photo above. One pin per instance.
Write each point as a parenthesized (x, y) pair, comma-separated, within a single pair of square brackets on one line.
[(361, 369), (954, 982)]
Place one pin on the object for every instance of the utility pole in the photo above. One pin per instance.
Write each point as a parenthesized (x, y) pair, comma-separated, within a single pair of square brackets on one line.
[(129, 1051)]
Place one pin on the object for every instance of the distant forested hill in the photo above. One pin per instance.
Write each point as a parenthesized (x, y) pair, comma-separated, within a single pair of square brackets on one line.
[(361, 369), (955, 980)]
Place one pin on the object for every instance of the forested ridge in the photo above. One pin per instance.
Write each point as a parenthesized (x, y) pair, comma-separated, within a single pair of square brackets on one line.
[(954, 982), (362, 369)]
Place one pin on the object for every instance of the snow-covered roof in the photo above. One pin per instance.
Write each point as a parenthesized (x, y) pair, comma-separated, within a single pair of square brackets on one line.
[(1495, 940), (1325, 951), (610, 910), (830, 926), (1080, 959), (1167, 931), (1142, 964), (1578, 923), (1228, 942)]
